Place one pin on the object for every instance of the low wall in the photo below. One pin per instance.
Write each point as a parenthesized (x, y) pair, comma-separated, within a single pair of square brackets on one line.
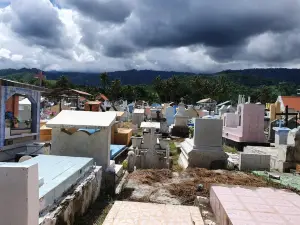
[(76, 203)]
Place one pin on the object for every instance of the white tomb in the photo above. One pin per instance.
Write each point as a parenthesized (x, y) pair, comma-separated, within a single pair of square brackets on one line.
[(205, 149), (154, 152), (181, 129), (281, 135), (181, 118), (83, 134)]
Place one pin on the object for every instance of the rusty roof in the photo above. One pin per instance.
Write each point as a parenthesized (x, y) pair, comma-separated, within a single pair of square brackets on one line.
[(293, 102)]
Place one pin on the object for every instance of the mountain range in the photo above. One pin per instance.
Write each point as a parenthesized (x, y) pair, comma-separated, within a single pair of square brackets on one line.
[(249, 77)]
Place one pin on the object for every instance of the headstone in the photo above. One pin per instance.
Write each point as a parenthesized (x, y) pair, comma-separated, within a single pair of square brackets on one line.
[(252, 162), (181, 119), (170, 113), (191, 112), (164, 129), (222, 110), (131, 161), (205, 149), (148, 112)]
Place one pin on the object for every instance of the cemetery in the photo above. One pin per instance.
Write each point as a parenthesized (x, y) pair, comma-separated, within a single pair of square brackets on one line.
[(145, 162)]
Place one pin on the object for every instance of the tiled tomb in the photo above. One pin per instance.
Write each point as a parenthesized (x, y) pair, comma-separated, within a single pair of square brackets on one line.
[(136, 213), (237, 205)]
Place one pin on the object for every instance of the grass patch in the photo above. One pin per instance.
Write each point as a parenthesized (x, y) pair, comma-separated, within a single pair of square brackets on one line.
[(175, 156), (97, 212), (229, 149)]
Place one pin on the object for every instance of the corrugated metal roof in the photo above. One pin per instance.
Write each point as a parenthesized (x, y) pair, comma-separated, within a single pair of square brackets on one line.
[(5, 82)]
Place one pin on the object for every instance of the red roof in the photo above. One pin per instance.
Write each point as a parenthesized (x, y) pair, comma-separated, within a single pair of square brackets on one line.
[(102, 96), (80, 92), (293, 102)]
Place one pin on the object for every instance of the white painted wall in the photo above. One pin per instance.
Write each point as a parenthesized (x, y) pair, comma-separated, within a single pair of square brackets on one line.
[(19, 194), (81, 144)]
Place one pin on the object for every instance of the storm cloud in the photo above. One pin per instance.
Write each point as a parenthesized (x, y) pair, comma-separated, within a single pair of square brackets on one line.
[(115, 11), (38, 23), (190, 35), (216, 24)]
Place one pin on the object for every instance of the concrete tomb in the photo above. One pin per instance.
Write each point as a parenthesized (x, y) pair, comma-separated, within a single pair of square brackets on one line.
[(83, 134), (205, 149), (180, 129), (283, 157), (138, 116), (36, 189), (251, 162), (254, 206), (245, 127), (154, 152)]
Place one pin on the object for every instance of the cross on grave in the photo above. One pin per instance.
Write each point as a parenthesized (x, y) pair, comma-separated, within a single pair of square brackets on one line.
[(287, 114), (40, 76), (280, 123)]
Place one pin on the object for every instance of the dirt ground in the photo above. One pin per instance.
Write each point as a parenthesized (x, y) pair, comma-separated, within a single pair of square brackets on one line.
[(185, 186), (178, 187)]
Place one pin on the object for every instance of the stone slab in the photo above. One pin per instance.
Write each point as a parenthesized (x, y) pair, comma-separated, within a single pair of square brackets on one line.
[(237, 205), (136, 213), (250, 162), (75, 203), (278, 155), (59, 173)]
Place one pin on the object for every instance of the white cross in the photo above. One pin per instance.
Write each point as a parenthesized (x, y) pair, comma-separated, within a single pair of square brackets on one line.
[(280, 123)]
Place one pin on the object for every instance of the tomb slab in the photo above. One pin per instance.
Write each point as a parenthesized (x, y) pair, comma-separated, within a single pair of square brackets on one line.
[(265, 208)]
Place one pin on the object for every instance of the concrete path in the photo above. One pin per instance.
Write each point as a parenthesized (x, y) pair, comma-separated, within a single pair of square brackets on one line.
[(136, 213)]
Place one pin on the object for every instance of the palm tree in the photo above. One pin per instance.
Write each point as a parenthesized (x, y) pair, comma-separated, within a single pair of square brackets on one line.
[(63, 82), (104, 80)]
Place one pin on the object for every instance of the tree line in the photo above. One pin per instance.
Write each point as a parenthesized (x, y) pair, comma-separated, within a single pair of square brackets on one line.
[(221, 87)]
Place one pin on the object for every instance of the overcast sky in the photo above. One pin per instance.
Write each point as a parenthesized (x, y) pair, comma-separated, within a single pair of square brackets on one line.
[(177, 35)]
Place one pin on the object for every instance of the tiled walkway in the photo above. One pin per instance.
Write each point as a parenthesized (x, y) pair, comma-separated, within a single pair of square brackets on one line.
[(234, 205), (136, 213)]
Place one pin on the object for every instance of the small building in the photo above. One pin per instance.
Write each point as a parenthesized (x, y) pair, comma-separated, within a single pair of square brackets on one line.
[(293, 103), (93, 106)]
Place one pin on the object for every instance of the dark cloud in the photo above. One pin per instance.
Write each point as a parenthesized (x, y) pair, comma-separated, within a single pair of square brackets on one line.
[(37, 22), (114, 11), (217, 25)]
